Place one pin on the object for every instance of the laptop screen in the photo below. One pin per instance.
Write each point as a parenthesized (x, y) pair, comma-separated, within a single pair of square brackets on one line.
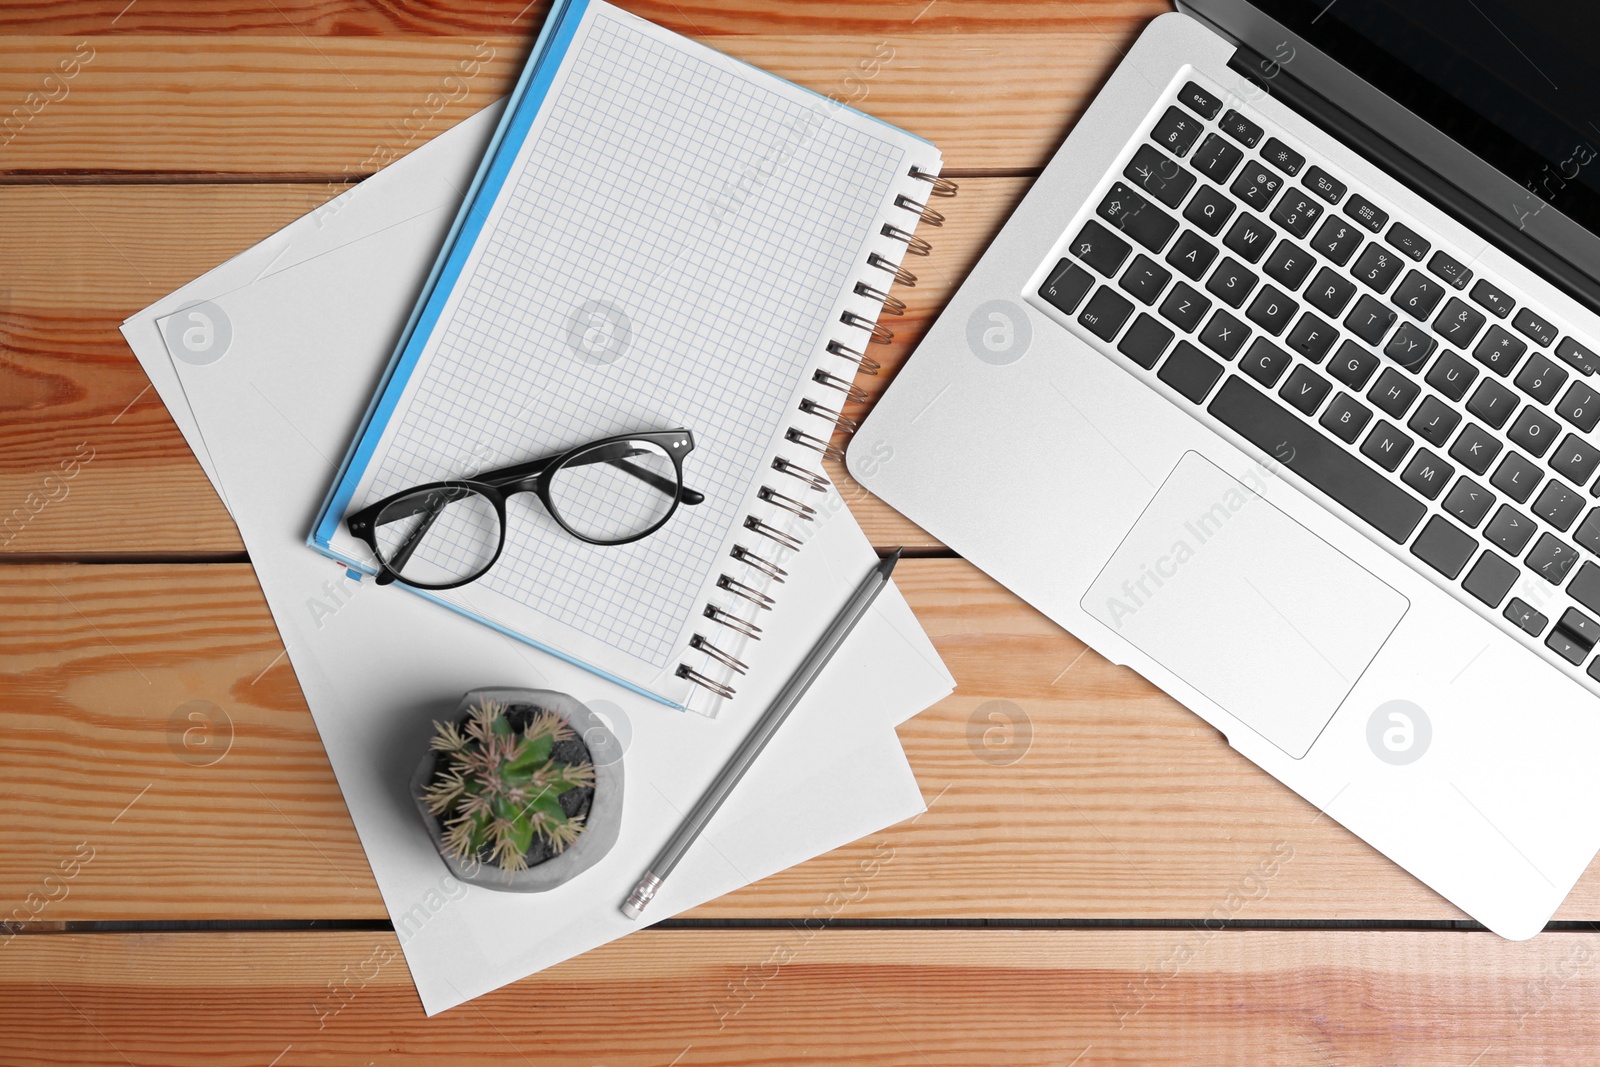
[(1512, 80)]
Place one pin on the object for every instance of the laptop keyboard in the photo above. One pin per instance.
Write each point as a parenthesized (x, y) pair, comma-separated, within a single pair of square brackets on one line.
[(1434, 407)]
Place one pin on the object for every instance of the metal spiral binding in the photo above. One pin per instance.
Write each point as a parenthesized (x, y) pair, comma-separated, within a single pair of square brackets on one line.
[(724, 691), (723, 617), (941, 186), (815, 443), (864, 362), (765, 566), (893, 305), (838, 418), (915, 245), (730, 662), (901, 275), (844, 385), (787, 503), (929, 216), (749, 592)]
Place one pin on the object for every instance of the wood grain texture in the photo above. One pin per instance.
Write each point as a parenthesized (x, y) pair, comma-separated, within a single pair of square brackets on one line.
[(1059, 785), (70, 389), (334, 105), (933, 998)]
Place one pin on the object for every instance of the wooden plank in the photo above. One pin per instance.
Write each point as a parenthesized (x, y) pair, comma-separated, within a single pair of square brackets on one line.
[(1058, 784), (939, 998), (94, 464), (335, 105)]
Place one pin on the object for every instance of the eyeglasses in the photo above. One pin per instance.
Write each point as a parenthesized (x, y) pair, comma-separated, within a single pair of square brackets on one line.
[(608, 492)]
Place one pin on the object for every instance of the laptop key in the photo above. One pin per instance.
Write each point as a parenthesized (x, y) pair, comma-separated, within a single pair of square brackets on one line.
[(1580, 358), (1377, 266), (1199, 101), (1249, 237), (1541, 379), (1137, 217), (1510, 529), (1580, 406), (1536, 329), (1145, 341), (1296, 212), (1311, 337), (1526, 619), (1144, 279), (1329, 293), (1475, 448), (1585, 587), (1224, 334), (1492, 402), (1256, 185), (1192, 254), (1176, 131), (1576, 460), (1105, 313), (1443, 547), (1579, 629), (1345, 418), (1427, 474), (1468, 501), (1558, 505), (1282, 156), (1366, 212), (1394, 393), (1492, 297), (1272, 309), (1289, 264), (1417, 295), (1232, 281), (1278, 432), (1265, 362), (1499, 350), (1410, 346), (1370, 320), (1533, 431), (1458, 323), (1324, 185), (1216, 158), (1336, 240), (1451, 375), (1551, 559), (1304, 390), (1517, 477), (1443, 265), (1100, 248), (1434, 421), (1066, 286), (1240, 128), (1184, 307), (1159, 175), (1564, 645), (1190, 371), (1386, 445), (1209, 210), (1352, 364), (1408, 241), (1491, 578)]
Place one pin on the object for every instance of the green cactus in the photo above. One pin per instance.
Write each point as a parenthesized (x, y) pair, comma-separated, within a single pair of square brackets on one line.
[(496, 788)]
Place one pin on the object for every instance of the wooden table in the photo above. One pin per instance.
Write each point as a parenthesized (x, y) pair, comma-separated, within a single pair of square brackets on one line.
[(1098, 878)]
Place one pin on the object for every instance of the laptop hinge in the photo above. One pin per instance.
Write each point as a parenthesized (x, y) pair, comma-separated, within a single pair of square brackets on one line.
[(1425, 182)]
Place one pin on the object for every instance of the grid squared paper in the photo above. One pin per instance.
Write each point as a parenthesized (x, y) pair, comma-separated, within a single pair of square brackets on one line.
[(722, 220)]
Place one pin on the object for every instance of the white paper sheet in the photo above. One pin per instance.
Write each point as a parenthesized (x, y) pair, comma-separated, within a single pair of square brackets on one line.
[(311, 315)]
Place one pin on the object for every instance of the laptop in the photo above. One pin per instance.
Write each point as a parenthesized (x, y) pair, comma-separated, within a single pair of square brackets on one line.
[(1279, 387)]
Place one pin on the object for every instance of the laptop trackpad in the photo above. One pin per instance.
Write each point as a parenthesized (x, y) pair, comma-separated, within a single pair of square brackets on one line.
[(1244, 604)]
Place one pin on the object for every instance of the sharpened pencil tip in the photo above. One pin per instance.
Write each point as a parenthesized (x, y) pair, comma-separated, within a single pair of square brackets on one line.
[(886, 567)]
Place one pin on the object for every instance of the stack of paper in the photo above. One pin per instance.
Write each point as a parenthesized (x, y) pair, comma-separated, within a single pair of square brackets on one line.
[(267, 364)]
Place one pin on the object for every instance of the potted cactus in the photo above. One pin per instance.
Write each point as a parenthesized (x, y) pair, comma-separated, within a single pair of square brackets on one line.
[(510, 793)]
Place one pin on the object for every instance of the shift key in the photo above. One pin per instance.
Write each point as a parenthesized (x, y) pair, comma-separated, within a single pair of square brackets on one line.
[(1272, 428), (1137, 217)]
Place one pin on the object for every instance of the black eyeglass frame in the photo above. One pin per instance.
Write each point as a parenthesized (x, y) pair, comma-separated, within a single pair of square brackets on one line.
[(533, 476)]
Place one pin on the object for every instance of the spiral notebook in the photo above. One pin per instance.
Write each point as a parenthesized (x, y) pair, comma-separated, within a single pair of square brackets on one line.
[(659, 236)]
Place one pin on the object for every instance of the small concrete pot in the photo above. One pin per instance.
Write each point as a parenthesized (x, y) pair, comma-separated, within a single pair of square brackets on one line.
[(601, 825)]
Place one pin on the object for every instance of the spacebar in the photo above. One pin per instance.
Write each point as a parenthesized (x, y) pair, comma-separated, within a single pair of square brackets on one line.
[(1270, 427)]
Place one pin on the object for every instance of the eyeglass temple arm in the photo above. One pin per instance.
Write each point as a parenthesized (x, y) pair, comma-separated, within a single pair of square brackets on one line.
[(523, 474), (403, 554)]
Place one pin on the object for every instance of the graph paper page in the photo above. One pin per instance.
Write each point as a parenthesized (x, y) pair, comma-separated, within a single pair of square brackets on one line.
[(669, 248)]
